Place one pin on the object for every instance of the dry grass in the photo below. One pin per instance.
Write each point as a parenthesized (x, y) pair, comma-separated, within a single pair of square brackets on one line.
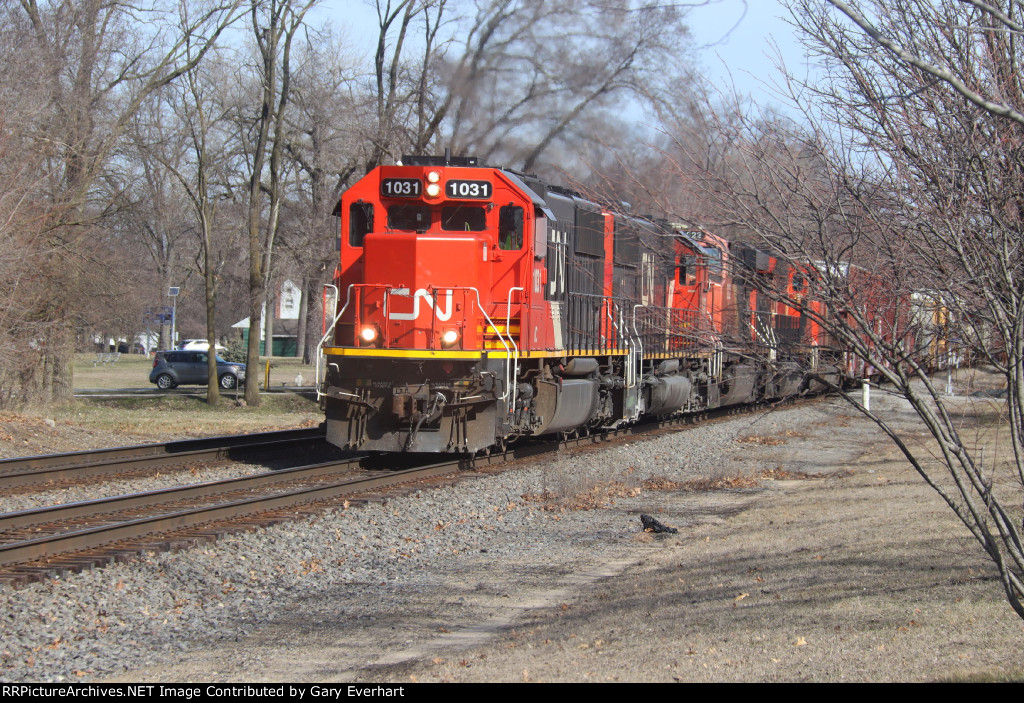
[(183, 415), (720, 483), (1015, 676), (595, 494), (598, 495), (96, 423), (103, 421), (724, 482), (761, 440), (780, 474), (131, 371), (661, 483)]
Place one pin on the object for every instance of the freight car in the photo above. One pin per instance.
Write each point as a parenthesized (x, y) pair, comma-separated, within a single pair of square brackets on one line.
[(474, 305)]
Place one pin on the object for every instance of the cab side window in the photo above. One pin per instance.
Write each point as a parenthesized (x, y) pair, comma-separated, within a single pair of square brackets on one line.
[(510, 227), (687, 270), (360, 222)]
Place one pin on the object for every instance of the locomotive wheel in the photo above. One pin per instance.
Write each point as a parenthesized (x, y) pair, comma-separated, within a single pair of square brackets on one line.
[(164, 382)]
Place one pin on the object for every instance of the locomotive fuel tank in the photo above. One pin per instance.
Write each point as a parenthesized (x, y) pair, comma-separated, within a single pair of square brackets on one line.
[(739, 383), (668, 394), (783, 380), (667, 391), (566, 404)]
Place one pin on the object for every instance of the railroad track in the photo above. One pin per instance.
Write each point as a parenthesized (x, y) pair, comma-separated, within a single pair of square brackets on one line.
[(74, 466), (42, 542)]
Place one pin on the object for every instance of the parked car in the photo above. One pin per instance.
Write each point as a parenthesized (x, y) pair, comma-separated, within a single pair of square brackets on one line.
[(200, 345), (175, 368)]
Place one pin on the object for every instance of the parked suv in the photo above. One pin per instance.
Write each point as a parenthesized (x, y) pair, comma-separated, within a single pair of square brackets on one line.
[(173, 368)]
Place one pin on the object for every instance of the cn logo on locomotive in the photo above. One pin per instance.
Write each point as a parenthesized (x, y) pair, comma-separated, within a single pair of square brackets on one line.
[(421, 293)]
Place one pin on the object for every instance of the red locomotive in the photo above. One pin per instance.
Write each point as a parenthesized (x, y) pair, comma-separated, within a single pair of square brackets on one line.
[(476, 305)]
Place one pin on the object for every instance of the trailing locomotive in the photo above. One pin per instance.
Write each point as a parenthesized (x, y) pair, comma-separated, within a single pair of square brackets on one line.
[(474, 305)]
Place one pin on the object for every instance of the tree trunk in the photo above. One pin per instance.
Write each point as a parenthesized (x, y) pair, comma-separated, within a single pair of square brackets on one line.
[(252, 352), (212, 382), (61, 355)]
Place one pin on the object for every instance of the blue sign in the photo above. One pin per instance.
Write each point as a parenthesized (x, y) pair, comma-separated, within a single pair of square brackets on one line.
[(159, 315)]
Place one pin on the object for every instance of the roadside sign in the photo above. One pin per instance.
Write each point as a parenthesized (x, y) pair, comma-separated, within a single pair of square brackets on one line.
[(158, 315)]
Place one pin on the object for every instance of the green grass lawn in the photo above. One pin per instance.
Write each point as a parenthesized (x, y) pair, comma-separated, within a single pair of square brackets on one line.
[(132, 371), (154, 417), (149, 417)]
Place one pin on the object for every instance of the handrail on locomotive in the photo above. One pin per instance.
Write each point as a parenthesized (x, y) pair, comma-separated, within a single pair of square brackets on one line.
[(504, 338)]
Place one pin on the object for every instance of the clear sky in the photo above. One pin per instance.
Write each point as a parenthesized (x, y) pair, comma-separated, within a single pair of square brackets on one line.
[(734, 41)]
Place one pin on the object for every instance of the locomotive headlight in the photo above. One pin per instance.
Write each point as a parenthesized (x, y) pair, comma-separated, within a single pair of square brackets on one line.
[(368, 334), (433, 190), (449, 338), (433, 176)]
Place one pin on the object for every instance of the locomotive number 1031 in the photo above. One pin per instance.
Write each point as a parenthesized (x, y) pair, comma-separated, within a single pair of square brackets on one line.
[(401, 187), (472, 190)]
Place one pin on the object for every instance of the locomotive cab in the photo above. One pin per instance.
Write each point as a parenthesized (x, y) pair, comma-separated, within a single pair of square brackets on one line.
[(429, 249)]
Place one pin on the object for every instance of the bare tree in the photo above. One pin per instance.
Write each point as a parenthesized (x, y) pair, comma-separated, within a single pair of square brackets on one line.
[(275, 24), (400, 91), (324, 144), (530, 70), (151, 203), (94, 70), (197, 156), (901, 192), (22, 292), (508, 80)]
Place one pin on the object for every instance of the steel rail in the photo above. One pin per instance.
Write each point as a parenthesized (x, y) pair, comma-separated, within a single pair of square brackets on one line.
[(34, 470), (27, 550)]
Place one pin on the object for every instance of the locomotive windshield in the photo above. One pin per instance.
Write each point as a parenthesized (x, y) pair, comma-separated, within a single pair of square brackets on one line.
[(463, 218), (415, 218)]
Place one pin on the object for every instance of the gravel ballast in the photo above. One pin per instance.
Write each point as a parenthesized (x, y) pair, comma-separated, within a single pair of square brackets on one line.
[(169, 478), (434, 585)]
